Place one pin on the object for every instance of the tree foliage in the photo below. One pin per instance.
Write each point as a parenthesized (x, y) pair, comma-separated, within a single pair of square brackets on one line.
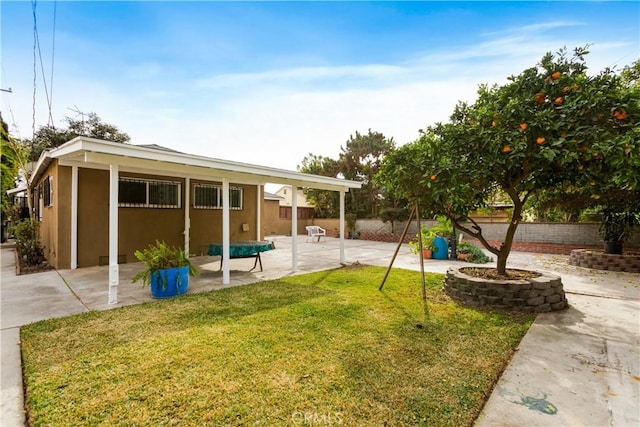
[(17, 158), (326, 202), (15, 167), (90, 126), (550, 127), (8, 163), (359, 160)]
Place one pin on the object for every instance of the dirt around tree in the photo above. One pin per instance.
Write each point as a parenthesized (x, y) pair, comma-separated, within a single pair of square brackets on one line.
[(492, 273)]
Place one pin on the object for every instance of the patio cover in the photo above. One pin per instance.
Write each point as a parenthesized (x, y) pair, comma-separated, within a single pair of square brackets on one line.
[(120, 157)]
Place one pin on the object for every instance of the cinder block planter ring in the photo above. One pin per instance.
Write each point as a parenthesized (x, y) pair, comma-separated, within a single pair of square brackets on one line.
[(540, 294), (628, 262)]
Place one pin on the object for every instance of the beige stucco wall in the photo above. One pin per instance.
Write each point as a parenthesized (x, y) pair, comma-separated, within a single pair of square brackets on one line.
[(139, 227), (206, 224), (62, 199), (271, 218), (93, 216), (48, 225)]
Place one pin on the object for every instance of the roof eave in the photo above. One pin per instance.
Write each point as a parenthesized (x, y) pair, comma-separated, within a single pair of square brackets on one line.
[(84, 144)]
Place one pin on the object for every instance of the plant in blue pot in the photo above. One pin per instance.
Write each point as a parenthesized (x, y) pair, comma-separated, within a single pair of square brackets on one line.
[(168, 270)]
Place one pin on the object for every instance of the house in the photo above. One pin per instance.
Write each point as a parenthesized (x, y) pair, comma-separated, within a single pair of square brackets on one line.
[(100, 201), (305, 211), (286, 193)]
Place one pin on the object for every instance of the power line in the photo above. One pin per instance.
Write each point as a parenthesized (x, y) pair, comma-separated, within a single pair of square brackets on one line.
[(35, 32), (36, 44), (53, 55), (44, 79)]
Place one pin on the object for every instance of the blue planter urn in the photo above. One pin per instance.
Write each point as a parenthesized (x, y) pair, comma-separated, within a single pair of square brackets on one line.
[(170, 282)]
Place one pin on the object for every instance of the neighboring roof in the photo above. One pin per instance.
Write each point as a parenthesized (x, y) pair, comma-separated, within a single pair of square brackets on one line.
[(271, 196), (16, 190), (99, 154), (287, 197)]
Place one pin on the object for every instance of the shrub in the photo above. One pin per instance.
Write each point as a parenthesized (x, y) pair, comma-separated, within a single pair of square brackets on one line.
[(476, 255), (161, 256), (28, 245)]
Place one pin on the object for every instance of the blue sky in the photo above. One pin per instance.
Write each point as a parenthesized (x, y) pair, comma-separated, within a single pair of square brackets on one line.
[(270, 82)]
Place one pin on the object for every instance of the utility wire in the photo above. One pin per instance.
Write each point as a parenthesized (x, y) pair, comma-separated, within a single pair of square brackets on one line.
[(44, 79), (53, 56), (35, 32)]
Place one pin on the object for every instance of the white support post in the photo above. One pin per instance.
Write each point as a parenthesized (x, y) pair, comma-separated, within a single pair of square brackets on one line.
[(187, 217), (259, 212), (114, 271), (342, 258), (74, 217), (294, 228), (225, 233)]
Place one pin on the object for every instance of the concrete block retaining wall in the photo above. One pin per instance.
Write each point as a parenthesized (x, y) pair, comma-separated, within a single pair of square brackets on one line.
[(535, 295), (581, 234)]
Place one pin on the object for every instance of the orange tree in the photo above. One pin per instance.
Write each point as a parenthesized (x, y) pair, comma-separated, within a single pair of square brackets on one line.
[(552, 126)]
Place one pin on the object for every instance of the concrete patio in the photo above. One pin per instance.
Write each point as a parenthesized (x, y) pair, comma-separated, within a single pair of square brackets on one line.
[(584, 361)]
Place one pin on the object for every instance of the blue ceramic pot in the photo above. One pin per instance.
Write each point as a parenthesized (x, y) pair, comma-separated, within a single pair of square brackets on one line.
[(170, 282), (440, 248)]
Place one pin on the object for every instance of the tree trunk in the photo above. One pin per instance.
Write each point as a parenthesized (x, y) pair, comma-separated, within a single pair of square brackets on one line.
[(501, 253), (502, 262), (505, 248)]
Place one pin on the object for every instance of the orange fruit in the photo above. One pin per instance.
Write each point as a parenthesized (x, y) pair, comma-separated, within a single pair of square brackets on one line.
[(566, 89), (559, 100), (493, 123), (524, 126), (433, 177), (540, 140), (620, 114), (540, 97), (556, 75), (576, 86), (506, 149)]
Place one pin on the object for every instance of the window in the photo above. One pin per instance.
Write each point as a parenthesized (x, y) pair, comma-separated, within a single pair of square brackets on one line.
[(39, 202), (235, 198), (143, 193), (209, 196), (47, 189)]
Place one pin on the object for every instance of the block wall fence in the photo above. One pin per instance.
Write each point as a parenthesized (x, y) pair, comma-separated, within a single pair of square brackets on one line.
[(530, 236)]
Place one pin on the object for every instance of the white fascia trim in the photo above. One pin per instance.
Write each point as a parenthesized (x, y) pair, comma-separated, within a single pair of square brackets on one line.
[(264, 172), (42, 163)]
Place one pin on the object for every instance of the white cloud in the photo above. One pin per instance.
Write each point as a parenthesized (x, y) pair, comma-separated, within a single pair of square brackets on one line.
[(277, 116)]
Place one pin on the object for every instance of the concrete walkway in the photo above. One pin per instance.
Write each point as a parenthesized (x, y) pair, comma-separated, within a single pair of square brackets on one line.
[(577, 367)]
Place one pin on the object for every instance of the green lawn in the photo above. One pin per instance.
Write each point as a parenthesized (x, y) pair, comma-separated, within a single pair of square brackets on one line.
[(325, 348)]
